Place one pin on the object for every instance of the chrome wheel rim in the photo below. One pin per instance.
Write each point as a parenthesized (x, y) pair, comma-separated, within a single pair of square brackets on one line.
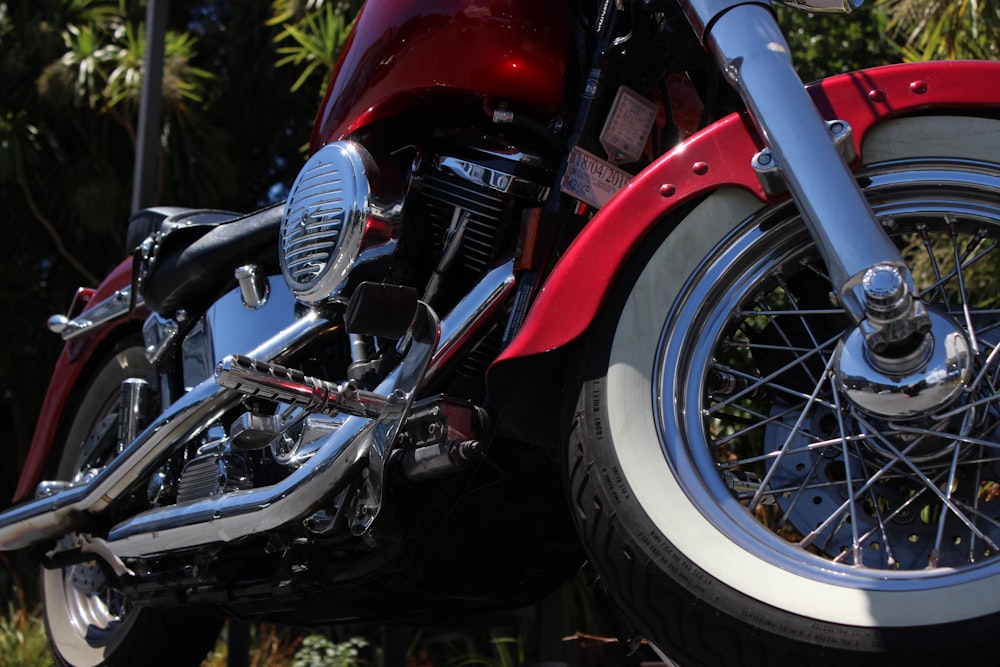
[(777, 458), (95, 611)]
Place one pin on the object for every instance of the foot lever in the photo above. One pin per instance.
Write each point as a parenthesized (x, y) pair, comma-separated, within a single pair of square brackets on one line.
[(272, 382)]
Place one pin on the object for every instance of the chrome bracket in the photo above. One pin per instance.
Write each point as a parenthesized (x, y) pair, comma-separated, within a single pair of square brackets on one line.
[(769, 171), (94, 318), (159, 334), (254, 286), (87, 548), (422, 337)]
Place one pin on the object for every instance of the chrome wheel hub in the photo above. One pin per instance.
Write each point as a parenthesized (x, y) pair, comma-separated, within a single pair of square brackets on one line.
[(915, 383)]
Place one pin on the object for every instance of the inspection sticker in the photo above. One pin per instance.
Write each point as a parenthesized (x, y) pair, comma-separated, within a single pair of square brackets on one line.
[(626, 129), (591, 179)]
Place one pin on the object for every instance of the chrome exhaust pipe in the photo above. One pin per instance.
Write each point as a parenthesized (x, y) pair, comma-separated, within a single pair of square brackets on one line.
[(239, 514), (51, 516)]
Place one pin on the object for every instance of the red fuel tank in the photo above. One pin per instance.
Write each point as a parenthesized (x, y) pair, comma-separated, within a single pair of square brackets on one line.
[(421, 52)]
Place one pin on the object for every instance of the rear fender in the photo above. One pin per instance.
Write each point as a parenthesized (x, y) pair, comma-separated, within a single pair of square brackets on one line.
[(69, 372), (526, 380)]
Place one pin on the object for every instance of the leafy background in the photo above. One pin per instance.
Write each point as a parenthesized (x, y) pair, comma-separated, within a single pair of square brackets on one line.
[(242, 81)]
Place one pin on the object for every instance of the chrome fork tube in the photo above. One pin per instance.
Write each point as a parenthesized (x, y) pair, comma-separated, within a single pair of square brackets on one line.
[(752, 52)]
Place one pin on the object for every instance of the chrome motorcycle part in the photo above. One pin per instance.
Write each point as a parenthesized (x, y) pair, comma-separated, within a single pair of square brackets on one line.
[(159, 334), (295, 451), (443, 458), (502, 180), (133, 410), (49, 487), (333, 225), (55, 515), (469, 316), (443, 419), (95, 318), (196, 352), (162, 487), (254, 286), (825, 6), (458, 332), (271, 382), (231, 328), (886, 327), (255, 431), (752, 52), (421, 340), (769, 172), (88, 547), (702, 14), (329, 464), (213, 472), (228, 327), (718, 363), (472, 195), (923, 382)]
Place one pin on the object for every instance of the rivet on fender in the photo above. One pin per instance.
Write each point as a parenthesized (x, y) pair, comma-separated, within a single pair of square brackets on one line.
[(700, 168), (918, 87), (668, 190), (876, 95)]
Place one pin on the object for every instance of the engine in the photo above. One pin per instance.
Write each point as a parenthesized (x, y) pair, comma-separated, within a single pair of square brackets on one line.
[(345, 221), (463, 217)]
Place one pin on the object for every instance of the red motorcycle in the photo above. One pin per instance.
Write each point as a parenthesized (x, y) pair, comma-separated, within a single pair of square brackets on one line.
[(505, 313)]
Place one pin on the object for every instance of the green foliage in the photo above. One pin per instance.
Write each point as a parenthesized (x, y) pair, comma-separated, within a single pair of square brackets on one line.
[(319, 651), (22, 638), (827, 44), (22, 631), (311, 40), (933, 29), (509, 652)]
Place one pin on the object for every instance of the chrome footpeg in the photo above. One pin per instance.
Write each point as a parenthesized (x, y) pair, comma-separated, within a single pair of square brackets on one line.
[(272, 382)]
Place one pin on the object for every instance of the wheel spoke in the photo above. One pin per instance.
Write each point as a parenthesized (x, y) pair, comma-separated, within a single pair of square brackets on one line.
[(845, 452), (944, 498), (959, 273), (768, 380), (935, 558), (796, 430)]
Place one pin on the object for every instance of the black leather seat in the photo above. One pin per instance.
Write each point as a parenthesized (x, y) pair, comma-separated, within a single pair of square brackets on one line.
[(197, 250)]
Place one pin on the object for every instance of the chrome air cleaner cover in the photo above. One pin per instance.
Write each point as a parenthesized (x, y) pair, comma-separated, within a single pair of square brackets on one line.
[(323, 228)]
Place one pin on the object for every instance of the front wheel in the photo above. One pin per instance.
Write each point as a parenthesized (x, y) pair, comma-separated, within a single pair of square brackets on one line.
[(738, 504), (90, 623)]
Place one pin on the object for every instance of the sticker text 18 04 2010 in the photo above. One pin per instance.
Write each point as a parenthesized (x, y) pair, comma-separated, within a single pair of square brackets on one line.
[(591, 179)]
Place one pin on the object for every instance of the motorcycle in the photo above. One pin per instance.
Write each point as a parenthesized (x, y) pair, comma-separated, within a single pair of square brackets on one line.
[(546, 289)]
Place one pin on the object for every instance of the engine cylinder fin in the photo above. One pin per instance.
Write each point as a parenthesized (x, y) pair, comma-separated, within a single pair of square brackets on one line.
[(482, 207)]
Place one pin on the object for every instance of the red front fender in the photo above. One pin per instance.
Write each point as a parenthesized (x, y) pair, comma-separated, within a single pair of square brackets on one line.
[(717, 157)]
